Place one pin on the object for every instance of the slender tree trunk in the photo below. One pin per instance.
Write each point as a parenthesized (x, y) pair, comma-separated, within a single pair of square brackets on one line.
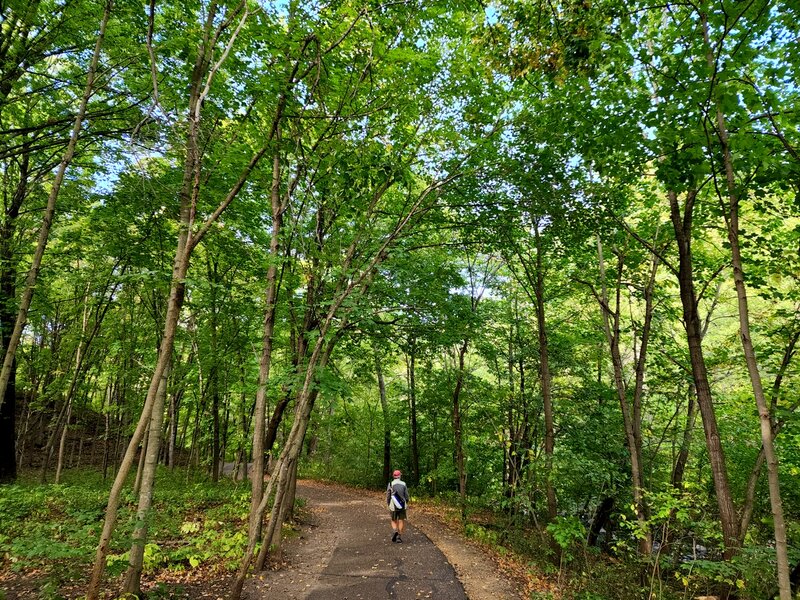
[(62, 442), (274, 548), (304, 406), (49, 212), (136, 554), (137, 483), (22, 436), (51, 441), (732, 222), (285, 464), (73, 385), (411, 374), (213, 372), (458, 433), (545, 380), (611, 327), (752, 480), (686, 443), (173, 429), (691, 412), (259, 441), (682, 224), (8, 287), (175, 302), (509, 452), (304, 403), (187, 242), (215, 436), (387, 425), (107, 428)]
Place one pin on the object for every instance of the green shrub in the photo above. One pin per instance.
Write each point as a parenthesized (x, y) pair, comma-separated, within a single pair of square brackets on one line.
[(570, 535)]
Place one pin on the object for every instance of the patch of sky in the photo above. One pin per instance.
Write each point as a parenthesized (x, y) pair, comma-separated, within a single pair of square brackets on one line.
[(490, 15), (279, 8), (118, 158)]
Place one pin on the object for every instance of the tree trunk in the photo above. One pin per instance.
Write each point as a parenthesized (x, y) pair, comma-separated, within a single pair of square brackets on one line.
[(285, 465), (136, 554), (682, 225), (8, 287), (732, 222), (259, 442), (411, 375), (755, 472), (303, 405), (214, 384), (682, 460), (611, 327), (62, 442), (137, 483), (545, 379), (458, 433), (686, 442), (49, 447), (109, 399), (185, 245), (79, 351), (387, 425), (274, 548), (215, 437), (509, 452), (173, 428)]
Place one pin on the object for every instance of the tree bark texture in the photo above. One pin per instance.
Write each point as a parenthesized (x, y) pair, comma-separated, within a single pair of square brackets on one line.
[(682, 225)]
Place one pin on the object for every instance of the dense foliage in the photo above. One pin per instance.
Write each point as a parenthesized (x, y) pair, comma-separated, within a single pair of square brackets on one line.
[(541, 256)]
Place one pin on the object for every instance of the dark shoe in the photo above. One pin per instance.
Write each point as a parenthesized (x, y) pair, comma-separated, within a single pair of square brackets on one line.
[(399, 540), (395, 536)]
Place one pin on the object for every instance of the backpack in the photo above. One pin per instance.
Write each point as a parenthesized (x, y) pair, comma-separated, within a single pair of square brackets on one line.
[(396, 503)]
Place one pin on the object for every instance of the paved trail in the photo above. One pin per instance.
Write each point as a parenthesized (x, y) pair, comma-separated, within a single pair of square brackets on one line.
[(349, 555)]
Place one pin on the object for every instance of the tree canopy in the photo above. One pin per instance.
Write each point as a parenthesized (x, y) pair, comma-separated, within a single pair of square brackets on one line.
[(542, 256)]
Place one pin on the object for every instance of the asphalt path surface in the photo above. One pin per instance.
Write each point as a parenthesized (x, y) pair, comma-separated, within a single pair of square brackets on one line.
[(348, 554)]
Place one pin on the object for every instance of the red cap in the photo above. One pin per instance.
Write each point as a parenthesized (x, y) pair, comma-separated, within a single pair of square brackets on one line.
[(396, 474)]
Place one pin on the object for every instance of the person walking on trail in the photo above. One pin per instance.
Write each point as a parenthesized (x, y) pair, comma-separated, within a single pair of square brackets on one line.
[(397, 499)]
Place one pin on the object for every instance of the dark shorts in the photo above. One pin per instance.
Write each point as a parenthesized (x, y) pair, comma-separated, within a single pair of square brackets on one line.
[(398, 515)]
